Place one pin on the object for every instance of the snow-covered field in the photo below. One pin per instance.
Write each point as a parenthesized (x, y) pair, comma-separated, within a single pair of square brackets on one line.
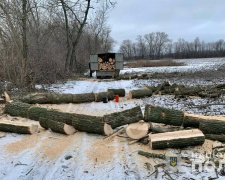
[(47, 155)]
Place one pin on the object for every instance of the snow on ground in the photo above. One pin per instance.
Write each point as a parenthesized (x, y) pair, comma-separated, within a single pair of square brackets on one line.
[(47, 155), (192, 65)]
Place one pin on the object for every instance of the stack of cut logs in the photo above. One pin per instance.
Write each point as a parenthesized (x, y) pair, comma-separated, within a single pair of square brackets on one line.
[(103, 65)]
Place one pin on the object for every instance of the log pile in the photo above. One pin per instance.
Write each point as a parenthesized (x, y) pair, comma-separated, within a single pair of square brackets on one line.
[(106, 64), (91, 124), (176, 139)]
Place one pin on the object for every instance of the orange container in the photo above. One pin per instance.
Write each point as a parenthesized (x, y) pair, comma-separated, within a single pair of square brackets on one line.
[(117, 98)]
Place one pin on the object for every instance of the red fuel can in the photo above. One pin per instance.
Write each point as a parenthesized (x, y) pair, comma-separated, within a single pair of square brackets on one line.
[(117, 98)]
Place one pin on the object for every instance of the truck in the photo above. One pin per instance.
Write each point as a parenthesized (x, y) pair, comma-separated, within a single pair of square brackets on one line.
[(106, 65)]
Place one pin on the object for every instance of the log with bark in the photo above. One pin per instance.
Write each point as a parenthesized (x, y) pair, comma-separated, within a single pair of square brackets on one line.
[(55, 98), (192, 120), (215, 137), (35, 113), (43, 122), (120, 92), (162, 128), (18, 127), (124, 117), (99, 96), (177, 139), (162, 86), (212, 124), (91, 124), (17, 109), (163, 115), (140, 93), (137, 130), (60, 127)]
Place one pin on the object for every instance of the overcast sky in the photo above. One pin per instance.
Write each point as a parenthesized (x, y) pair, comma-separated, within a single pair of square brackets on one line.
[(186, 19)]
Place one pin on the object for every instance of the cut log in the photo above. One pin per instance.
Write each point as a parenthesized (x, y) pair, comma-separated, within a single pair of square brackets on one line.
[(140, 93), (55, 98), (82, 98), (137, 130), (215, 137), (124, 117), (99, 96), (2, 101), (60, 116), (60, 127), (43, 122), (35, 113), (7, 98), (162, 128), (177, 139), (91, 124), (162, 86), (212, 125), (192, 120), (17, 127), (163, 115), (120, 92), (17, 109)]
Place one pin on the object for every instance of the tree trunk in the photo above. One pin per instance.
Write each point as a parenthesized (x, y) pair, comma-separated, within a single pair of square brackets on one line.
[(137, 130), (124, 117), (35, 113), (177, 139), (192, 120), (17, 127), (163, 115), (162, 128), (91, 124), (60, 127), (17, 109), (140, 93), (120, 92), (99, 96), (43, 122), (212, 125), (54, 98), (215, 137)]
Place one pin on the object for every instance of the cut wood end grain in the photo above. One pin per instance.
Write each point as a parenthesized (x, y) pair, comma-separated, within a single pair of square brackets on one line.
[(69, 130), (108, 129), (137, 130)]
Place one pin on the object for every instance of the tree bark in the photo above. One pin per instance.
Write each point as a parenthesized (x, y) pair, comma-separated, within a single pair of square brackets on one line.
[(60, 127), (124, 117), (99, 96), (162, 128), (17, 127), (140, 93), (17, 109), (43, 122), (120, 92), (55, 98), (215, 137), (163, 115), (192, 120), (177, 139), (212, 125), (91, 124)]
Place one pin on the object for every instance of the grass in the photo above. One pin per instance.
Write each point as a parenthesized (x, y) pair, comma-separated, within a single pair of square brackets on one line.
[(151, 63)]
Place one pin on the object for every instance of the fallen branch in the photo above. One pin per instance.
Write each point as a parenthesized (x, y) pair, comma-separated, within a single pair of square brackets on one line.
[(152, 155), (115, 133)]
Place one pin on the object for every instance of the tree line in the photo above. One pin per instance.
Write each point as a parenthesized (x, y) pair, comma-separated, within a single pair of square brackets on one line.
[(42, 41), (158, 45)]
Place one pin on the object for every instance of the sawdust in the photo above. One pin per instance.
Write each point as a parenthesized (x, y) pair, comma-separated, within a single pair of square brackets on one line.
[(102, 151), (27, 142), (54, 144)]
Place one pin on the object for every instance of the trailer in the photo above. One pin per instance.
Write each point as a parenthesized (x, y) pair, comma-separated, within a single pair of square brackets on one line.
[(107, 65)]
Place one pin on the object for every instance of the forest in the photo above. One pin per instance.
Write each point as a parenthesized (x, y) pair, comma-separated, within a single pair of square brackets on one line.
[(44, 41)]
